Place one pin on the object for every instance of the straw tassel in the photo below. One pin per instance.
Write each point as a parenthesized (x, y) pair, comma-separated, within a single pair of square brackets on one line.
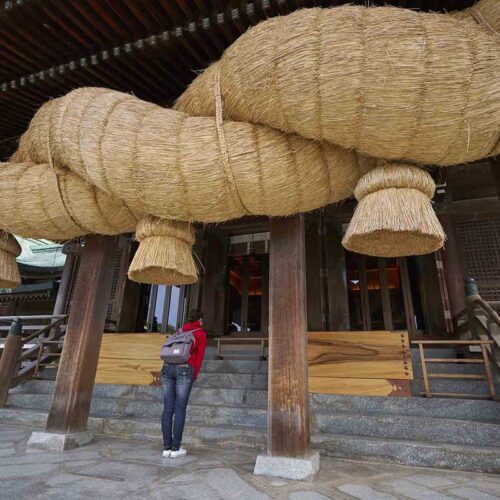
[(164, 256), (394, 216), (9, 250)]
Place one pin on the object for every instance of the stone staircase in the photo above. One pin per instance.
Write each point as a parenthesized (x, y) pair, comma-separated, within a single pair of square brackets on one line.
[(228, 409)]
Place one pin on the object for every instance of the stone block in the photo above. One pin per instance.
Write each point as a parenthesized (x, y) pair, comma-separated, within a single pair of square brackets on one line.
[(301, 469), (52, 441)]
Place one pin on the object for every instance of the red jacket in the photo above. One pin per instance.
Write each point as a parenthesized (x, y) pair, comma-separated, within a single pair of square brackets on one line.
[(198, 347)]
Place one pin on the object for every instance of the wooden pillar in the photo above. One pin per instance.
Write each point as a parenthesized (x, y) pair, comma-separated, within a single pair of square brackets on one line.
[(63, 294), (9, 361), (314, 279), (288, 398), (215, 284), (77, 368), (338, 299), (452, 267)]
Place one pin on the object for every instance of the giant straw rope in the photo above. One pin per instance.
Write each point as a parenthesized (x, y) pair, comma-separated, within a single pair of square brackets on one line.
[(301, 111)]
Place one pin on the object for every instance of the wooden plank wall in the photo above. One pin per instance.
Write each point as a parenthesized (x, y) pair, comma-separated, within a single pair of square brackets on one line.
[(364, 363), (376, 363)]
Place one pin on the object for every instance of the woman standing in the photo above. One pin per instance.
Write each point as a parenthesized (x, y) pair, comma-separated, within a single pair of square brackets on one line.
[(177, 381)]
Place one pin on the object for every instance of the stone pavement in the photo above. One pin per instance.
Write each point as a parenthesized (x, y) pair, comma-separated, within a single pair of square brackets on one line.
[(124, 469)]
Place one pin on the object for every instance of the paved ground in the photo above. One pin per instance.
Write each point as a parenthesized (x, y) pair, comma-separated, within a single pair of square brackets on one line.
[(125, 469)]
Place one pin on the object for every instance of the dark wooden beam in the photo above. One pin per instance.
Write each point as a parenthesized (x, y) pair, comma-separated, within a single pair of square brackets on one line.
[(215, 284), (314, 278), (68, 275), (76, 374), (338, 300), (452, 266), (288, 398)]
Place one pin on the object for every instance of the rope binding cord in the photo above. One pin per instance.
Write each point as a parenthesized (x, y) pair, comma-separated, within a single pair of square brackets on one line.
[(219, 122)]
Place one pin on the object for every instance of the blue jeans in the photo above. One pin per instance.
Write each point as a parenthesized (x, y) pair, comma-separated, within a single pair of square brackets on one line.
[(176, 381)]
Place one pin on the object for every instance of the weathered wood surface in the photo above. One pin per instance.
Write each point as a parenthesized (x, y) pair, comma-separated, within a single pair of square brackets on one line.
[(77, 368), (9, 364), (360, 386), (288, 399), (215, 284), (130, 358), (368, 355)]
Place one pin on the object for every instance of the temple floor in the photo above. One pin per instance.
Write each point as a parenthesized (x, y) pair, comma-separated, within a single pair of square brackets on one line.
[(113, 468)]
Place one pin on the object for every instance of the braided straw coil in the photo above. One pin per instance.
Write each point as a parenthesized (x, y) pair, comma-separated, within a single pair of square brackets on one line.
[(295, 113)]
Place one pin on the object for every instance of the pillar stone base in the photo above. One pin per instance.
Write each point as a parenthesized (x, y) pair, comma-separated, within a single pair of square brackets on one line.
[(52, 441), (301, 469)]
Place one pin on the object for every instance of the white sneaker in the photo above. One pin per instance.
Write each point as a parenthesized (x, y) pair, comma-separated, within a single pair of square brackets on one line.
[(181, 452), (166, 453)]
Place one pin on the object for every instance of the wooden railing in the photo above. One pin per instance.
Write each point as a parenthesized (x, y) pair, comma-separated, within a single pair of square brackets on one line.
[(484, 360), (23, 356)]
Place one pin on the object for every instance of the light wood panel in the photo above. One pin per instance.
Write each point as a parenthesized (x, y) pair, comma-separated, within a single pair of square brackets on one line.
[(357, 363), (360, 386), (363, 355), (130, 358), (376, 363)]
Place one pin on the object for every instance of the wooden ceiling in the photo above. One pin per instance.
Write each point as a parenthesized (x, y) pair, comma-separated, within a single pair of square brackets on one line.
[(151, 48)]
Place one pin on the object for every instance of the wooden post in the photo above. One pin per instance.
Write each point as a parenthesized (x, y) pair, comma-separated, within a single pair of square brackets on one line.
[(9, 360), (77, 368), (338, 299), (63, 294), (452, 267), (288, 399), (215, 284)]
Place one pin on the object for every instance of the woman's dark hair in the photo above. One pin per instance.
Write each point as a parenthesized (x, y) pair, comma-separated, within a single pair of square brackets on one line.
[(194, 315)]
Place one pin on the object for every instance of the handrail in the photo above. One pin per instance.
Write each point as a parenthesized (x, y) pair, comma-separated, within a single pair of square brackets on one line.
[(43, 330), (490, 312), (9, 319), (485, 361)]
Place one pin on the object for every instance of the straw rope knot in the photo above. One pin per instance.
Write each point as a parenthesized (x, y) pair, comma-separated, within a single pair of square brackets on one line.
[(479, 18), (226, 164)]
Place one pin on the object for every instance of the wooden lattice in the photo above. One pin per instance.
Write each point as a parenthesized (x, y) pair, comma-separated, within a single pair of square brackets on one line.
[(481, 250)]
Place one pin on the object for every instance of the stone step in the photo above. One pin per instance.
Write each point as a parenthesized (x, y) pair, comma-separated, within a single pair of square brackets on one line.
[(449, 408), (435, 430), (433, 352), (407, 452), (199, 395), (461, 409), (194, 435), (232, 380), (233, 366), (404, 452), (387, 426), (453, 386), (467, 368), (151, 410)]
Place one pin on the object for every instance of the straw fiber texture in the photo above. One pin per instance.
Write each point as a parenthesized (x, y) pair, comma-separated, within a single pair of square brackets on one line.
[(294, 114), (164, 254), (387, 82), (9, 250), (394, 213)]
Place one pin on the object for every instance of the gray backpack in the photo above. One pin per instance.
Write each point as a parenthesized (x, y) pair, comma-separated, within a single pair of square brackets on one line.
[(177, 347)]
